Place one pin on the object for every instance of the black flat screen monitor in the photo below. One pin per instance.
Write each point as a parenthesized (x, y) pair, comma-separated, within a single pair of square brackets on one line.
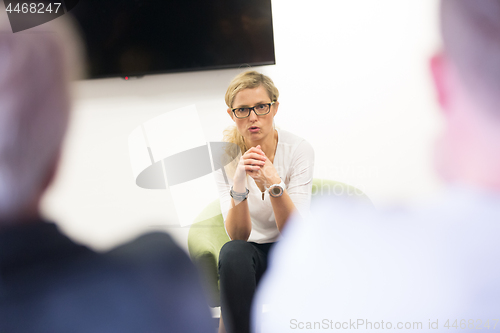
[(141, 37)]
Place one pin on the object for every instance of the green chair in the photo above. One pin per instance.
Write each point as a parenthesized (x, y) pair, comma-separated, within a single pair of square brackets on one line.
[(206, 238)]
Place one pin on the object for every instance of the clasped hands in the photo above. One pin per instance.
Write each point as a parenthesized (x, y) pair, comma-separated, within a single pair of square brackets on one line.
[(257, 165)]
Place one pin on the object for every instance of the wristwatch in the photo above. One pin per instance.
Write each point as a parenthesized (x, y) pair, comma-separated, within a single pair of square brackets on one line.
[(276, 190)]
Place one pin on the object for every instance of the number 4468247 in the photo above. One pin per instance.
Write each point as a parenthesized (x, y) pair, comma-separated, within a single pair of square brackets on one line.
[(34, 8), (472, 324)]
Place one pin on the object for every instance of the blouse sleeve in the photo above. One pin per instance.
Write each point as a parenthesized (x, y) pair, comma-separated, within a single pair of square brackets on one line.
[(301, 175), (224, 184)]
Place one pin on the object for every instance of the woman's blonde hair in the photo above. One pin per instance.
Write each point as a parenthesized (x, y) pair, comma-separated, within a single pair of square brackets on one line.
[(246, 80)]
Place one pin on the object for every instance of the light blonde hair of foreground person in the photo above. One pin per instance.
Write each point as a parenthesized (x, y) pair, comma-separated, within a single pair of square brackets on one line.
[(246, 80), (36, 67)]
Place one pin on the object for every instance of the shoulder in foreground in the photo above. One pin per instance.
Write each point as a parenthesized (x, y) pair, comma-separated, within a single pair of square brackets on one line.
[(154, 244), (464, 216)]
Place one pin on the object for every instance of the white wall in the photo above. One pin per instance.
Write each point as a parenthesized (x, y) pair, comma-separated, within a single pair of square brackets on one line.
[(353, 80)]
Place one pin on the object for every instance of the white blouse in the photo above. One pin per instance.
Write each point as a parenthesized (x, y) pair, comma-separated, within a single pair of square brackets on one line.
[(294, 162)]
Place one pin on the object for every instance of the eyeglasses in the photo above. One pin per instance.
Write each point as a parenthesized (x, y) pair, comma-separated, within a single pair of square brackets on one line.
[(260, 110)]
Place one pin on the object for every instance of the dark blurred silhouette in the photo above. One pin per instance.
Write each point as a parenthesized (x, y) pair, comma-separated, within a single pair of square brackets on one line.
[(48, 283)]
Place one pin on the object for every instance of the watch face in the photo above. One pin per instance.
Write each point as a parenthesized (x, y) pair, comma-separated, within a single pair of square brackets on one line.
[(276, 191)]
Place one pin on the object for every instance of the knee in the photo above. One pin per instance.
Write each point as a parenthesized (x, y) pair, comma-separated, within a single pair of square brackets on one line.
[(235, 252)]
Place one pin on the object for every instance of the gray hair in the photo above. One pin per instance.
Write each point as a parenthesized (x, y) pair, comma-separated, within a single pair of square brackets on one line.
[(471, 39), (35, 69)]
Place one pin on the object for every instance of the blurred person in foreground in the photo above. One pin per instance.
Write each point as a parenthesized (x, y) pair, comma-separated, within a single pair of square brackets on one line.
[(48, 283), (414, 269)]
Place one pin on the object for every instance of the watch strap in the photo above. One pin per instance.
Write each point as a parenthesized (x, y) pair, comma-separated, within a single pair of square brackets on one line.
[(238, 195)]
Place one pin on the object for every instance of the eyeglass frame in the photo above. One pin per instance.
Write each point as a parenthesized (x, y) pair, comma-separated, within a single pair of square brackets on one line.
[(253, 109)]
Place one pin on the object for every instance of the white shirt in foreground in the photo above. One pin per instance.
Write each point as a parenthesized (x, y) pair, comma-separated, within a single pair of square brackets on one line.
[(408, 270), (294, 162)]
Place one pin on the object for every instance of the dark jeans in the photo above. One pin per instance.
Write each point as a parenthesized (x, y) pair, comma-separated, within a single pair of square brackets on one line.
[(241, 265)]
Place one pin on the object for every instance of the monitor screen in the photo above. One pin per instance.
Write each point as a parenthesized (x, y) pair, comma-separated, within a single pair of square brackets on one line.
[(141, 37)]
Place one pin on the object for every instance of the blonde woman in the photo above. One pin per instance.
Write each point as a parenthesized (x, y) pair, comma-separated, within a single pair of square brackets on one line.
[(272, 179)]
